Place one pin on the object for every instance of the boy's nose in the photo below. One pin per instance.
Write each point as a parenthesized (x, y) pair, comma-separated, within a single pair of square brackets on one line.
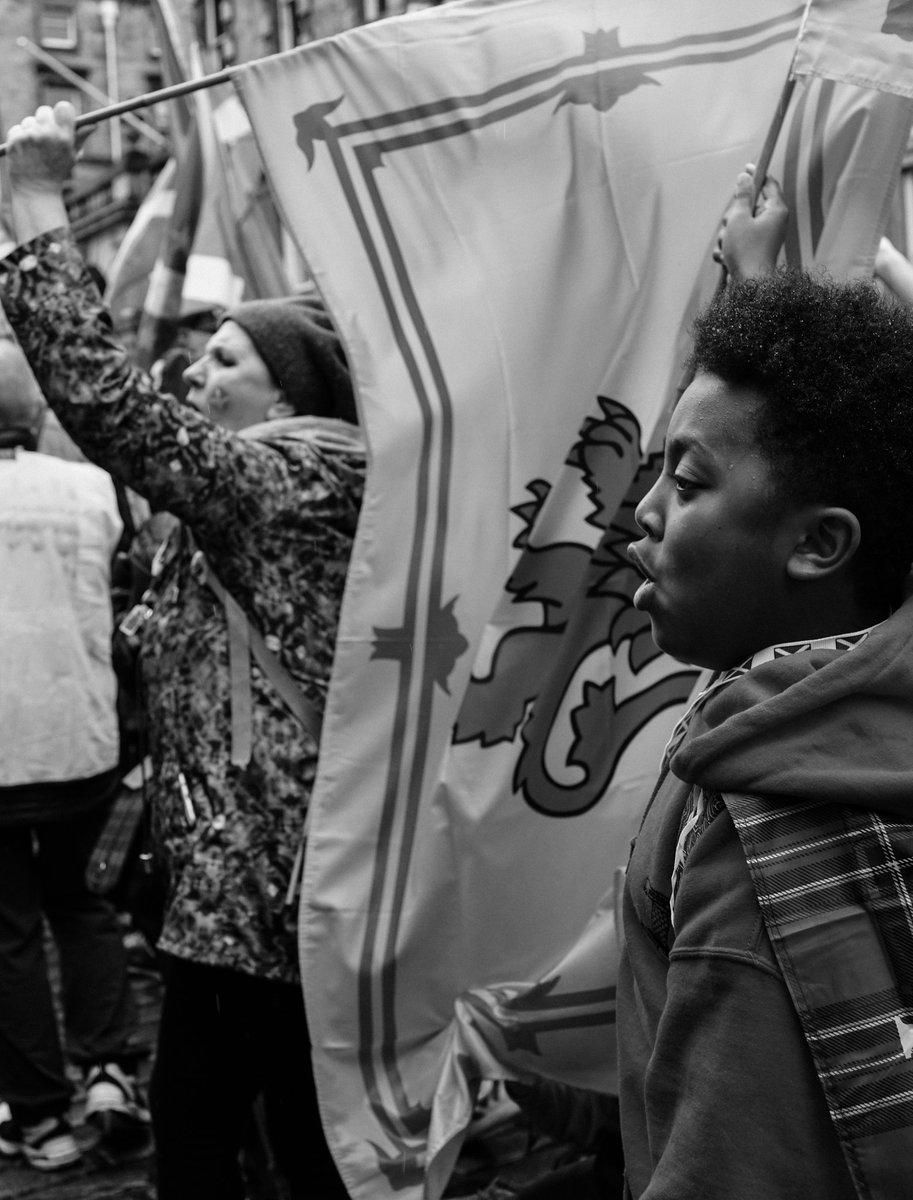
[(647, 513)]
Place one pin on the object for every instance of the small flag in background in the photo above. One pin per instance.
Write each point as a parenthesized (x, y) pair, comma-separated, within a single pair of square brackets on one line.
[(171, 40), (220, 241), (136, 269), (868, 43), (162, 306), (839, 161), (239, 220), (134, 262)]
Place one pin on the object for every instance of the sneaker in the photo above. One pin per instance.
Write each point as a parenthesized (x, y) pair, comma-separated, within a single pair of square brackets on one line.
[(10, 1133), (113, 1100), (47, 1145)]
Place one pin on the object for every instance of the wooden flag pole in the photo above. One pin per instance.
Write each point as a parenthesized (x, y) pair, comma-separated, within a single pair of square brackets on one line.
[(61, 69), (146, 101), (760, 170), (776, 125), (760, 175)]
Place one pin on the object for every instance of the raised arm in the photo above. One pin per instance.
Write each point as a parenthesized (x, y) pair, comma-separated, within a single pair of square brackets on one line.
[(168, 452), (894, 270)]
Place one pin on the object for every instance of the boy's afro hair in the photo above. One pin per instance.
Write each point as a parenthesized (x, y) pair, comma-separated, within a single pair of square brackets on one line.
[(834, 365)]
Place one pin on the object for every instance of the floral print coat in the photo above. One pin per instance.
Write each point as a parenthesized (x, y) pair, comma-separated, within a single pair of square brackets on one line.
[(274, 510)]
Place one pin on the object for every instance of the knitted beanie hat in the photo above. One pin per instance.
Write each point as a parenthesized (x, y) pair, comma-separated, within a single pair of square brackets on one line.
[(296, 339)]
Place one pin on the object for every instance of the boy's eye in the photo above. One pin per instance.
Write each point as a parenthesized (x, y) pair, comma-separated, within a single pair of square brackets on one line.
[(683, 485)]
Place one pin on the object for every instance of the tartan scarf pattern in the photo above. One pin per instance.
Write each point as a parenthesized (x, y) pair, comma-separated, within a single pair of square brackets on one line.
[(835, 886), (701, 806)]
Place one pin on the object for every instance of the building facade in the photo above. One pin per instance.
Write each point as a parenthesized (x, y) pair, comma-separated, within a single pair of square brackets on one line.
[(97, 52)]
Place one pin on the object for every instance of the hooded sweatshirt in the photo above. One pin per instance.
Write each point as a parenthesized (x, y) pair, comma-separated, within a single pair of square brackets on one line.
[(764, 1009)]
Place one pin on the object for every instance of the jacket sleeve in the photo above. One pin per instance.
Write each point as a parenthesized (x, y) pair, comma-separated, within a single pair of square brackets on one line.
[(732, 1106), (163, 449)]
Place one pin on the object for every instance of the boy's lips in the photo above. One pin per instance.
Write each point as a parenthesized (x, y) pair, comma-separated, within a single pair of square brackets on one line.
[(643, 592), (634, 557)]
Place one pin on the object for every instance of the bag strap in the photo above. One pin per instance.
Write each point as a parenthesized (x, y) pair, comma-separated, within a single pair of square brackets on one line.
[(244, 640), (126, 513)]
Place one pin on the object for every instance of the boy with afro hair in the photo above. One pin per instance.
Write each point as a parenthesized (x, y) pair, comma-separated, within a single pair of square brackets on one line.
[(765, 1001)]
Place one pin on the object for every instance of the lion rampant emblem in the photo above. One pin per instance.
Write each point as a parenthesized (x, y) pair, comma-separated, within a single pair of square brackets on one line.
[(559, 678)]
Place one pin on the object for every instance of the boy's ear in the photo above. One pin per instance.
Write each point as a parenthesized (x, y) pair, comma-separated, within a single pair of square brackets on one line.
[(830, 538)]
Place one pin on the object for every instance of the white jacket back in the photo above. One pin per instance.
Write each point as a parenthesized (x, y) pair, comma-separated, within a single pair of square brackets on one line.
[(59, 527)]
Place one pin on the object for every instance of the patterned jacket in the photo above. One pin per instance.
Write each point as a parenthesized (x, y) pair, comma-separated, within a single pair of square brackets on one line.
[(275, 514)]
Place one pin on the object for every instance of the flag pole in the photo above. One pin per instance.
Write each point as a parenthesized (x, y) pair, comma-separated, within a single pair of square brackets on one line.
[(776, 126), (767, 149), (147, 100), (779, 116), (760, 174), (87, 88)]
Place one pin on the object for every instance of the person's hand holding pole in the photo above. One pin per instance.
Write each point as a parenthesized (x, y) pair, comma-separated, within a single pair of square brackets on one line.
[(41, 151), (753, 227)]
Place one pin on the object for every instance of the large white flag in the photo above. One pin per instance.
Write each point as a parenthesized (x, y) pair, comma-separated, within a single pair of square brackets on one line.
[(506, 207)]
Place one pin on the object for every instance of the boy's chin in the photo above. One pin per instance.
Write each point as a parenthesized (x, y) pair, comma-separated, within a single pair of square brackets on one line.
[(704, 658)]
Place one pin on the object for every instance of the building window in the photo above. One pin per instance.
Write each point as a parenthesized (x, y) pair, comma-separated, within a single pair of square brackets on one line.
[(373, 10), (218, 28), (294, 19), (54, 89), (158, 115), (57, 26)]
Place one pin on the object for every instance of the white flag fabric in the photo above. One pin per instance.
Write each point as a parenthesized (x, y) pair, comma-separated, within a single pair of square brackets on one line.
[(506, 207), (868, 43)]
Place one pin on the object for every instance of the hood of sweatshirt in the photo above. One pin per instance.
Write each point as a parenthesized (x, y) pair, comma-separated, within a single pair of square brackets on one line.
[(834, 726)]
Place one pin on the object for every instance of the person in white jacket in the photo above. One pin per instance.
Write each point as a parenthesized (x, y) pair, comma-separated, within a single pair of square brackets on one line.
[(59, 749)]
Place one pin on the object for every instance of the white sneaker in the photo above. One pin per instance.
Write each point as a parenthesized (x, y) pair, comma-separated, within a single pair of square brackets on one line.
[(10, 1133), (113, 1098), (48, 1145)]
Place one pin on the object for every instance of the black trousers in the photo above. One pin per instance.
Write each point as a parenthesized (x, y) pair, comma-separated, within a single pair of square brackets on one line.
[(42, 875), (226, 1038)]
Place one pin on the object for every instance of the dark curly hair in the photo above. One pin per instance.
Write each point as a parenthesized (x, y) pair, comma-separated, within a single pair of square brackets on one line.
[(833, 363)]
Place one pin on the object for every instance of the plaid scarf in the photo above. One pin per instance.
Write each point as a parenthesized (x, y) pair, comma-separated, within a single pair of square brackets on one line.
[(835, 887), (701, 806)]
